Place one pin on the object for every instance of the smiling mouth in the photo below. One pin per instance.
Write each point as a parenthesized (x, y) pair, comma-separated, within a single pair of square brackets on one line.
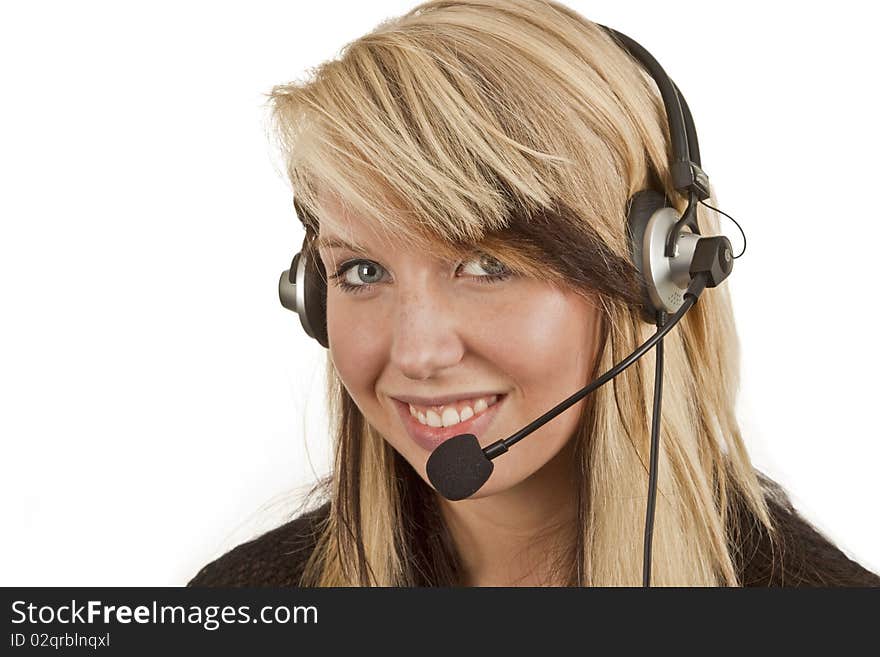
[(429, 433)]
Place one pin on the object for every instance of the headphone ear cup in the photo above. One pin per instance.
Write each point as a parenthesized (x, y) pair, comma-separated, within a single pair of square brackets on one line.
[(303, 289), (315, 296), (642, 206)]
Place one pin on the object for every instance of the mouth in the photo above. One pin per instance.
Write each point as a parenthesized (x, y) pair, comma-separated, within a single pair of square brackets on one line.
[(418, 421)]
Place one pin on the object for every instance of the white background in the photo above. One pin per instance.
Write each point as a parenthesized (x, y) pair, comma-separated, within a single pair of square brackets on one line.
[(158, 406)]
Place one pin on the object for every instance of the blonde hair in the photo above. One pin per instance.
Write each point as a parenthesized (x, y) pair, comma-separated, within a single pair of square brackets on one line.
[(526, 128)]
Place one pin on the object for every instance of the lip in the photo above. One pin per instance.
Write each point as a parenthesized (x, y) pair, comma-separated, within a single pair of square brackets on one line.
[(448, 399), (429, 438)]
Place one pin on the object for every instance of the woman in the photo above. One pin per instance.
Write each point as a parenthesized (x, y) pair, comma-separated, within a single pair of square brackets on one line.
[(464, 174)]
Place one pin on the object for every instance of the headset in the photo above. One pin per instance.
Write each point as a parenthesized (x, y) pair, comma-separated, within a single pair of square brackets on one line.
[(674, 261)]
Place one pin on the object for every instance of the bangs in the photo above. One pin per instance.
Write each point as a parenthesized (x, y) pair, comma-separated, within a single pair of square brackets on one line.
[(412, 134), (437, 138)]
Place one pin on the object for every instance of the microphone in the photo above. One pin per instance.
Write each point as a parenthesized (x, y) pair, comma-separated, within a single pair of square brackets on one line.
[(459, 467)]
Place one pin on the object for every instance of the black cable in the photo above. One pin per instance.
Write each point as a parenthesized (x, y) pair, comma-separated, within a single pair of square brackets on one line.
[(741, 231), (655, 449)]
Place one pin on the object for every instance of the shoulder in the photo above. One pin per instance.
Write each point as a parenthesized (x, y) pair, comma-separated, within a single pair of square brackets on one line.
[(276, 558), (798, 554)]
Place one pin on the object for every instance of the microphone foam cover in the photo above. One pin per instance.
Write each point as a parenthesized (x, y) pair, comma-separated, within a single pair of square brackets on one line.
[(458, 468)]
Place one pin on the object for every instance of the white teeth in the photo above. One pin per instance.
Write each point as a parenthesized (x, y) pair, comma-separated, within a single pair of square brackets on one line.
[(433, 419), (450, 417)]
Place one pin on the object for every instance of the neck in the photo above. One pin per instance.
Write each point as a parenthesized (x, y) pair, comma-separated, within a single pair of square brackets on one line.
[(523, 536)]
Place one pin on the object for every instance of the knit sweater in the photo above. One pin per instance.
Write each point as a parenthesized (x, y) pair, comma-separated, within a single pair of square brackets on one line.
[(801, 556)]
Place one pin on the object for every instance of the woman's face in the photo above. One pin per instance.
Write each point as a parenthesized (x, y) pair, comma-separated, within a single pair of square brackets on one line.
[(429, 348)]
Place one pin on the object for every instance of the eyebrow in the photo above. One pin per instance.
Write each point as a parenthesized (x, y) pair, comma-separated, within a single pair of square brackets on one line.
[(338, 243)]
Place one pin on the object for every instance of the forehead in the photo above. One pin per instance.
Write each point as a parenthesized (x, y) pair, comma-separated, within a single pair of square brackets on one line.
[(341, 225)]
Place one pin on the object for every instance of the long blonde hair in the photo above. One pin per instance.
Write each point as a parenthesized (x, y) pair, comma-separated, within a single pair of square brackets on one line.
[(525, 127)]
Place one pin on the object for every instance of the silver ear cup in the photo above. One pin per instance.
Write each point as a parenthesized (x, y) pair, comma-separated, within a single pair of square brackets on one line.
[(666, 279), (292, 291), (303, 289), (287, 286)]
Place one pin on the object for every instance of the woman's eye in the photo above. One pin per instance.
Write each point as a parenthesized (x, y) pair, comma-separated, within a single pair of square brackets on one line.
[(357, 276), (485, 268)]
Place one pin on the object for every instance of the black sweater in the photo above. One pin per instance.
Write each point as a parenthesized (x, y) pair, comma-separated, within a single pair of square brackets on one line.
[(800, 557)]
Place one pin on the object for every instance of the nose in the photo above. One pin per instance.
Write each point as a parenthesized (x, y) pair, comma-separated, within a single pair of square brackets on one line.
[(425, 337)]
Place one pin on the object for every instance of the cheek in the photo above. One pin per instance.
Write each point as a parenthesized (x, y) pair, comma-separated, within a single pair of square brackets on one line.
[(545, 339), (356, 347)]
